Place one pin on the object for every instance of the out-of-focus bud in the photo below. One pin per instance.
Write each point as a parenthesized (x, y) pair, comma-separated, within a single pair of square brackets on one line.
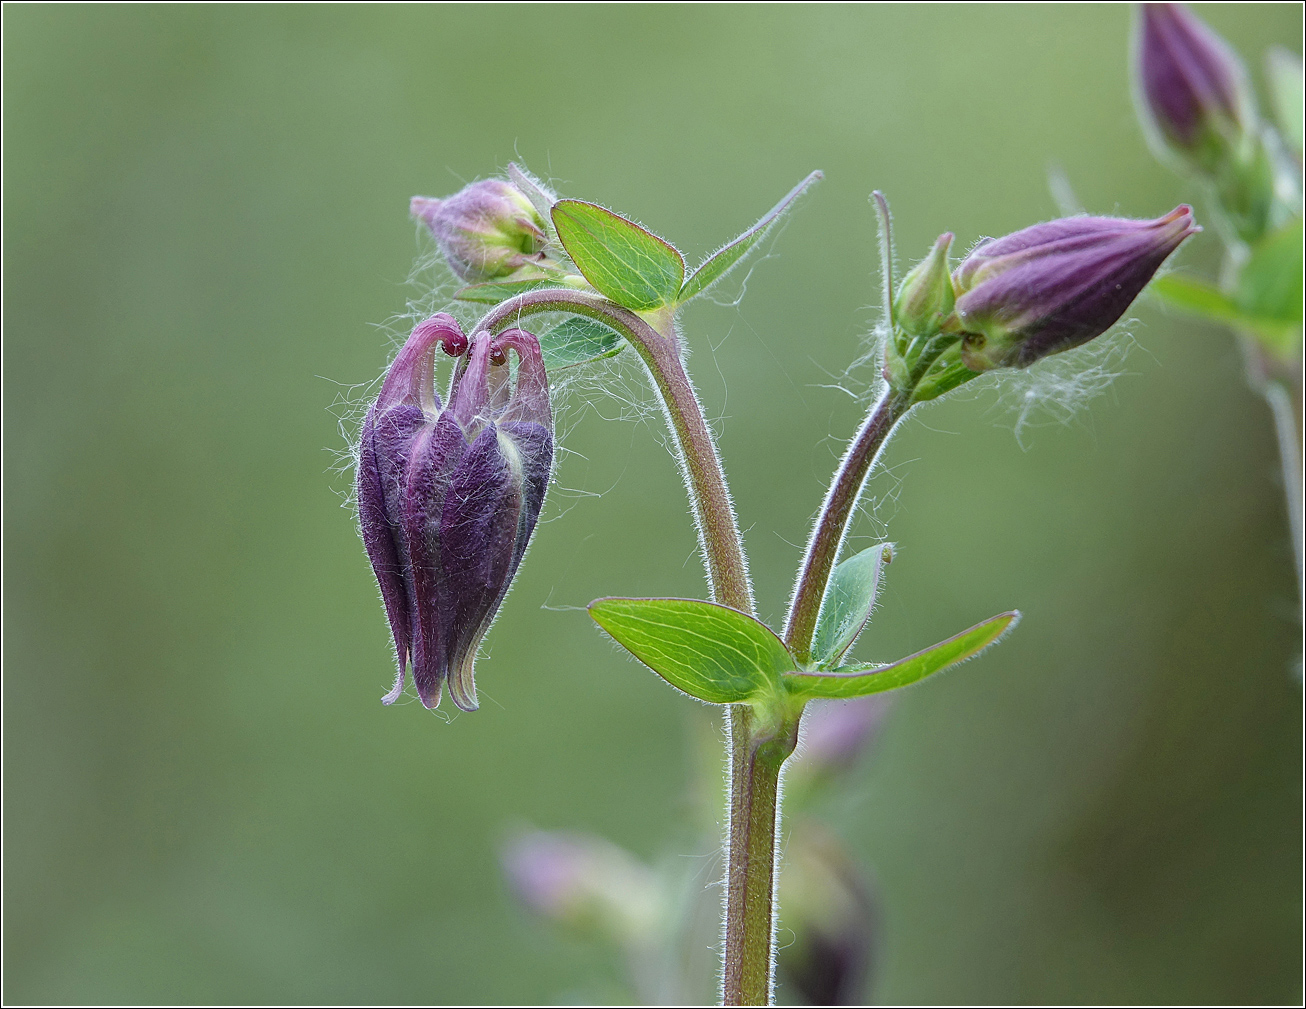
[(1193, 88), (486, 230), (1197, 106), (1054, 286), (448, 497), (585, 882), (925, 296), (835, 734), (829, 906), (1284, 69)]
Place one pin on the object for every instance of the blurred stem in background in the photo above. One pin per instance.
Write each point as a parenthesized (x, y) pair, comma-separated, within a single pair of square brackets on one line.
[(1199, 112)]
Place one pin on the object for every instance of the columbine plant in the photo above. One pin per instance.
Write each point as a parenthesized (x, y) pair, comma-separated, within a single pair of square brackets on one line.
[(448, 497), (1199, 113)]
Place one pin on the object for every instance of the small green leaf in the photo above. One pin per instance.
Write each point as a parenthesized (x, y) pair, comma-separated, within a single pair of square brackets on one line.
[(492, 293), (728, 256), (1270, 283), (855, 681), (1198, 298), (623, 262), (846, 608), (711, 652), (577, 341)]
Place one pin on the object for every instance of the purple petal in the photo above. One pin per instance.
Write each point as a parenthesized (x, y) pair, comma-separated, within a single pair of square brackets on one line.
[(383, 449), (479, 530), (435, 457)]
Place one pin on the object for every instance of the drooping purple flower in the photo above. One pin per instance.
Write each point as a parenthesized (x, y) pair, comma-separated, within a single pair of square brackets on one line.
[(486, 230), (448, 497), (1192, 88), (1057, 285)]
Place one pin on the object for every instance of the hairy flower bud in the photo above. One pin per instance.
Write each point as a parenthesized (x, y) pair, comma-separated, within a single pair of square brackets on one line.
[(486, 230), (448, 497), (1192, 87), (925, 296), (1054, 286)]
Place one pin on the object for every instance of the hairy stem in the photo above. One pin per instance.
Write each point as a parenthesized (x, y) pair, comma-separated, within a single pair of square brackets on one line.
[(756, 756), (659, 348), (832, 526), (756, 753)]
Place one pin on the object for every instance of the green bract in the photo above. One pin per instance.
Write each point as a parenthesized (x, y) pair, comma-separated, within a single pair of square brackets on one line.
[(722, 656)]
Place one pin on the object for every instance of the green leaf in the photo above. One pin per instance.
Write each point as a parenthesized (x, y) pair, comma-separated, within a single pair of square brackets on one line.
[(711, 652), (1202, 299), (728, 256), (493, 292), (846, 608), (622, 261), (576, 341), (1270, 283), (855, 681)]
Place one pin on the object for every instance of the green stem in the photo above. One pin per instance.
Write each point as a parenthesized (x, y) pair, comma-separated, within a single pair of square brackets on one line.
[(659, 348), (756, 756), (832, 526), (756, 752)]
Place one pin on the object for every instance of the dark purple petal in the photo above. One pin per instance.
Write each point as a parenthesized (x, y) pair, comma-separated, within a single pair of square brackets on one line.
[(533, 444), (382, 451), (435, 456), (479, 530)]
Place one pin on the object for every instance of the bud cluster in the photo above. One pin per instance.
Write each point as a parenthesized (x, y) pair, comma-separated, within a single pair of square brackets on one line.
[(1015, 300)]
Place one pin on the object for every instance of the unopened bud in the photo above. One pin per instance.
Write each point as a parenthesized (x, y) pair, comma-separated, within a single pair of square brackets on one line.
[(1193, 87), (925, 296), (1054, 286), (487, 230)]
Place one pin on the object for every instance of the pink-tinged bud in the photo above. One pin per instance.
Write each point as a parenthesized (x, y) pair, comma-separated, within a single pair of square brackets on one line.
[(486, 230), (1054, 286), (448, 496), (584, 882)]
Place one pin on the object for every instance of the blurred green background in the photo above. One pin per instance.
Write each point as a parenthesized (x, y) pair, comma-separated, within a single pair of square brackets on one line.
[(205, 219)]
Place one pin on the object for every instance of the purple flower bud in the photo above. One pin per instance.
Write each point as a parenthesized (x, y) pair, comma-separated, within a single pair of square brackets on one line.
[(1057, 285), (448, 498), (485, 230), (1192, 88)]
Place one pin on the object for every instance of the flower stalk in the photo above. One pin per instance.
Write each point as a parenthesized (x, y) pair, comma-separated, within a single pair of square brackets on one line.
[(756, 752)]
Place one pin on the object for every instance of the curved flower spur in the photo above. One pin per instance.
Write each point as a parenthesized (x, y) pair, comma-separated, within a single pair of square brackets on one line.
[(448, 497)]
